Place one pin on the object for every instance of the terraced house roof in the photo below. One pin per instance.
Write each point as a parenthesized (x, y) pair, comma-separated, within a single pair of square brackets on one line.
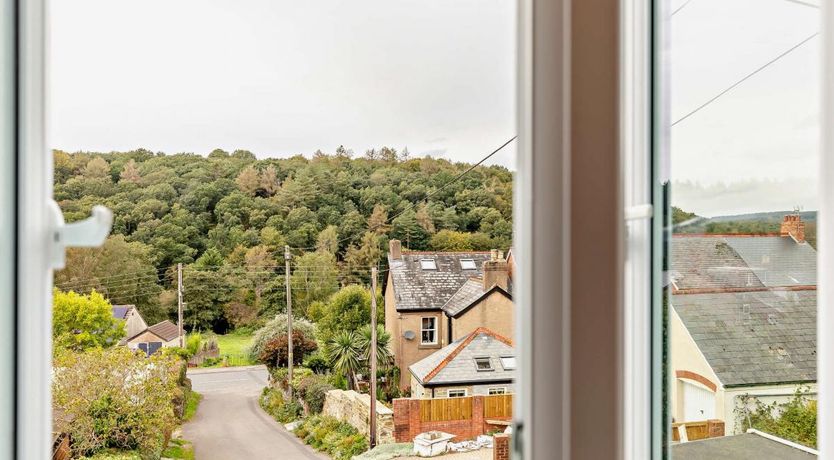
[(419, 288), (755, 337), (714, 262)]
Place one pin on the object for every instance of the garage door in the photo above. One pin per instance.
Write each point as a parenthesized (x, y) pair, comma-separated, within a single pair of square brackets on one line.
[(698, 403)]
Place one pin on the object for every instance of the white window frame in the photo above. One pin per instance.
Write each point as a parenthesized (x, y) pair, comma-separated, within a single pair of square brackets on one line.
[(825, 254), (501, 390), (434, 330), (472, 261), (509, 368), (433, 263), (465, 393), (489, 361)]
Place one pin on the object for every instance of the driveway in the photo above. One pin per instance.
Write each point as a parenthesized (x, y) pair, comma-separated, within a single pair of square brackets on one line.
[(230, 424)]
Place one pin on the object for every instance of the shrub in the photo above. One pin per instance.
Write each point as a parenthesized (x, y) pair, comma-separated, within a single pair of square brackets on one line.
[(275, 351), (275, 328), (795, 420), (313, 391), (193, 343), (340, 440), (115, 398), (273, 403), (317, 362)]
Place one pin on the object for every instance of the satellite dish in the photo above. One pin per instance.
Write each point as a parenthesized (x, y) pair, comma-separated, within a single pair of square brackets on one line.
[(409, 335)]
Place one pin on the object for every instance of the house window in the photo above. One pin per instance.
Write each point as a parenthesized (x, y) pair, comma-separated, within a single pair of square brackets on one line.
[(428, 264), (508, 363), (428, 331), (497, 391), (483, 364), (468, 264), (456, 393)]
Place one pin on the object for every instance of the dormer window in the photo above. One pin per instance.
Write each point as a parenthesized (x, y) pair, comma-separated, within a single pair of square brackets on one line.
[(468, 264), (428, 264)]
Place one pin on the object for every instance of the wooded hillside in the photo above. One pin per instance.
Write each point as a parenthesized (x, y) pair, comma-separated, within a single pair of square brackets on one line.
[(227, 217)]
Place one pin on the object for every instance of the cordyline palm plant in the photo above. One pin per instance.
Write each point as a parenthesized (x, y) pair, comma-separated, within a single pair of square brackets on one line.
[(384, 358), (345, 356)]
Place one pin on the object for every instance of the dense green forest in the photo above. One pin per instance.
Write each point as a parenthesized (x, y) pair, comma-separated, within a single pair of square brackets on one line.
[(227, 216)]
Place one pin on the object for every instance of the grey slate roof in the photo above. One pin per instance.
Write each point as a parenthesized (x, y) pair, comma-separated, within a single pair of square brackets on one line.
[(754, 338), (726, 261), (461, 367), (748, 446), (418, 289), (471, 291)]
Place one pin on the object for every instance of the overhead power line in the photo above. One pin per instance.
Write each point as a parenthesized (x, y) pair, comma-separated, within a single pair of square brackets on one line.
[(746, 77), (410, 205)]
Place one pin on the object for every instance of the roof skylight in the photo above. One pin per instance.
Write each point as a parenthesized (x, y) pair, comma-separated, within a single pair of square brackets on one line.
[(468, 264), (428, 264)]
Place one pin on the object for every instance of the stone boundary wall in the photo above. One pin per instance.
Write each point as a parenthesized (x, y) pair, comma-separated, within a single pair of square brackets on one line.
[(355, 408)]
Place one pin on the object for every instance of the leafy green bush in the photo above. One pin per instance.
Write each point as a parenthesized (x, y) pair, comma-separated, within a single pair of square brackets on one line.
[(275, 328), (338, 439), (273, 403), (115, 398), (795, 420), (193, 343), (317, 362), (313, 390)]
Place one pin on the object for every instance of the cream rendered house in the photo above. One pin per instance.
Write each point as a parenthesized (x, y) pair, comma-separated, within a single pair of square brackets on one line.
[(742, 322)]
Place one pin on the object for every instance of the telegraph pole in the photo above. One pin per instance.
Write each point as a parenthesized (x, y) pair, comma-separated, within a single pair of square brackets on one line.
[(289, 316), (179, 303), (373, 357)]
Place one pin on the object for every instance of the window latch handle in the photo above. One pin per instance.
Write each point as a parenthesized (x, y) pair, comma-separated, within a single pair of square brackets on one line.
[(88, 233), (639, 212)]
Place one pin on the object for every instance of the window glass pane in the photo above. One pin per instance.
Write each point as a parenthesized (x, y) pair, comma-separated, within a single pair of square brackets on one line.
[(483, 364), (428, 264), (467, 264), (508, 362), (741, 290)]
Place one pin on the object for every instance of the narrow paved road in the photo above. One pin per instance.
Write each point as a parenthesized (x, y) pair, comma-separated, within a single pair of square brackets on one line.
[(230, 424)]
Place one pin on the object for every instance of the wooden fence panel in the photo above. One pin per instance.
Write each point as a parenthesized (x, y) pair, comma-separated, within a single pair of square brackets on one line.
[(445, 409), (498, 406)]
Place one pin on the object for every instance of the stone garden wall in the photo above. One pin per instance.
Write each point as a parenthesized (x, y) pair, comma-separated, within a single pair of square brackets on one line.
[(354, 408)]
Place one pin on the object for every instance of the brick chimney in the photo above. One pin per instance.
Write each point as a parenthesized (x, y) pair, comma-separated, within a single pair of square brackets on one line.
[(395, 249), (496, 270), (792, 226)]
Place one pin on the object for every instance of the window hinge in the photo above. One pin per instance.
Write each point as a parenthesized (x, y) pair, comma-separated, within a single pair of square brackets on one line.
[(88, 233)]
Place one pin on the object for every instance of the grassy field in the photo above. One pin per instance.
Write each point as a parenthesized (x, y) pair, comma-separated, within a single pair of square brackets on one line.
[(234, 349)]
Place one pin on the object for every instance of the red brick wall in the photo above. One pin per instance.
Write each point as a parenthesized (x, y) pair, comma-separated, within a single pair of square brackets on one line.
[(407, 422), (501, 445)]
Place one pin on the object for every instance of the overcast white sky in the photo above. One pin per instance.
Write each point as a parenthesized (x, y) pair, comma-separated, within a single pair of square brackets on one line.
[(280, 78), (755, 148)]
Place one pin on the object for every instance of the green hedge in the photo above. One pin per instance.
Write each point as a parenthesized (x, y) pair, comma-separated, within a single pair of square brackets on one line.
[(272, 402), (338, 439)]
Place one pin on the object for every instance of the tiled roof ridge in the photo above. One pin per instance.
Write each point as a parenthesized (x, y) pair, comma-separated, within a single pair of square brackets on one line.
[(463, 344), (807, 287), (724, 235)]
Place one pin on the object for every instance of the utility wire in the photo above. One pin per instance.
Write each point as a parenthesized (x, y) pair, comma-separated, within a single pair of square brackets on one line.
[(728, 89), (800, 2), (682, 6)]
